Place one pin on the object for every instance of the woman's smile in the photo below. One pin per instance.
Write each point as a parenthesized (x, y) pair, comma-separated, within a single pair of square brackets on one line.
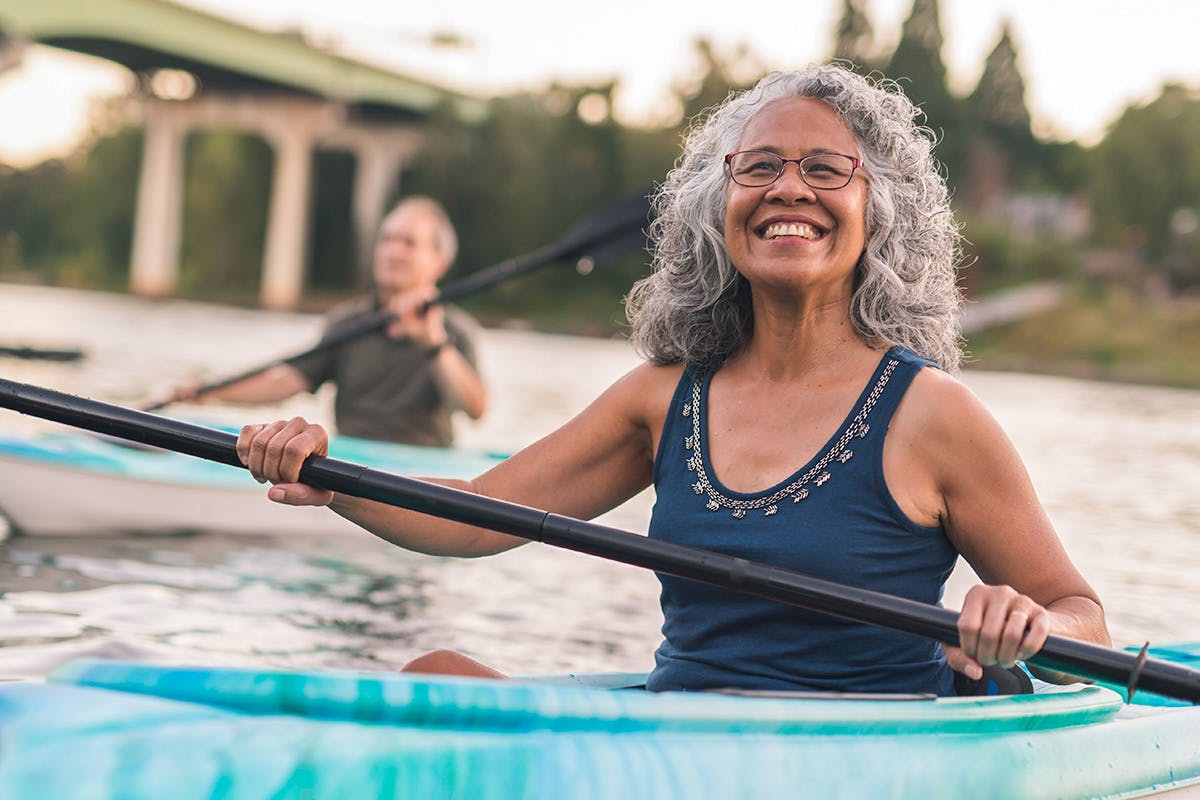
[(792, 229)]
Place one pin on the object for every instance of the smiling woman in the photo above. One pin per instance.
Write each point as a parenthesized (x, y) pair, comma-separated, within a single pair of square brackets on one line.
[(782, 295), (795, 409)]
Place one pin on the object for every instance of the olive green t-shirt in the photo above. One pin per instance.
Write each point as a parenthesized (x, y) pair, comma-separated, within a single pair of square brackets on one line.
[(385, 387)]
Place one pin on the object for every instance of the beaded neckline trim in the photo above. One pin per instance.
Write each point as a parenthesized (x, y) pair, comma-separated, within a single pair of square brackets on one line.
[(801, 487)]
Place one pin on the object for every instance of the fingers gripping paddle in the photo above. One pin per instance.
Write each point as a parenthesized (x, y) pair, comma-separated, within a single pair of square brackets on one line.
[(785, 586), (614, 230)]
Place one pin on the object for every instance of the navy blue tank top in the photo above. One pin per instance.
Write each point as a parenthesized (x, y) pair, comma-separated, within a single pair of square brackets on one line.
[(833, 519)]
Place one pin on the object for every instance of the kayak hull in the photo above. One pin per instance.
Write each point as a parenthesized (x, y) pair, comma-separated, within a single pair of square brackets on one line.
[(141, 731), (74, 484)]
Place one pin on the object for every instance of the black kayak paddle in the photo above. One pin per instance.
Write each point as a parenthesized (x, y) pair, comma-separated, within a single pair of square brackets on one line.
[(786, 586)]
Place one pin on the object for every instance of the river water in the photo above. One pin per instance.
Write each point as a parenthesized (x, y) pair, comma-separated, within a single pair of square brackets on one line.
[(1117, 467)]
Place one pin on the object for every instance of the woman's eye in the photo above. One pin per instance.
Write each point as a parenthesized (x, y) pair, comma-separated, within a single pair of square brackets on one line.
[(760, 165)]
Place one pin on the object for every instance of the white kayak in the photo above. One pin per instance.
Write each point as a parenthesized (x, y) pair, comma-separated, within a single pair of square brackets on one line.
[(78, 484)]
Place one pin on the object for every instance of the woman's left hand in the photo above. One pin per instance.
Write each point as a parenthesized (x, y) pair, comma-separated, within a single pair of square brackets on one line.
[(997, 625)]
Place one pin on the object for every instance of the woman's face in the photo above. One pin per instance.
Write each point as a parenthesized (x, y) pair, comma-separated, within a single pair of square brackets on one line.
[(788, 234)]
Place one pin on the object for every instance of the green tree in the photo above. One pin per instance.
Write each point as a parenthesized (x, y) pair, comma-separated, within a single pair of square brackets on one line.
[(998, 102), (226, 192), (69, 221), (32, 201), (98, 221), (524, 175), (1001, 149), (719, 75), (332, 252), (854, 37), (917, 64), (1146, 170)]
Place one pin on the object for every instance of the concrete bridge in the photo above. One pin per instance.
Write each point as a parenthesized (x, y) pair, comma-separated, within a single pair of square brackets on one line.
[(197, 71)]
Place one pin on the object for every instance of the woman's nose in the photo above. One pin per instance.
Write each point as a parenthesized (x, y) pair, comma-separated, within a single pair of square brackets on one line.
[(790, 184)]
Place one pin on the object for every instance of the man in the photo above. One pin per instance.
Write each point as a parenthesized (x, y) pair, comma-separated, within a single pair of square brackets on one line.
[(400, 384)]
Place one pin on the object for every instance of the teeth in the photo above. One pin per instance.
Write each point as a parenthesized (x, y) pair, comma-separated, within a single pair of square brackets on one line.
[(791, 229)]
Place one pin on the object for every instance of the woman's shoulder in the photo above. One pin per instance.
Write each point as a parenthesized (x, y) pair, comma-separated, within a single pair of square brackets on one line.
[(645, 391), (942, 409), (650, 379), (938, 390)]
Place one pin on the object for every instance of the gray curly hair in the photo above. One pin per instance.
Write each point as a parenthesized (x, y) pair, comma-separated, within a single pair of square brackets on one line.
[(695, 307)]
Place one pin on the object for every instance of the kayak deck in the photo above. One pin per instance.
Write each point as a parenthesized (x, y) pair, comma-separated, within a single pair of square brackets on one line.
[(135, 730)]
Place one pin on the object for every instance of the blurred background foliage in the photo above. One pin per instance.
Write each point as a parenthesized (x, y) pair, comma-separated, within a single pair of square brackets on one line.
[(1117, 220)]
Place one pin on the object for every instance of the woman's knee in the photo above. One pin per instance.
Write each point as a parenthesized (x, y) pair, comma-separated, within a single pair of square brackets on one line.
[(449, 662)]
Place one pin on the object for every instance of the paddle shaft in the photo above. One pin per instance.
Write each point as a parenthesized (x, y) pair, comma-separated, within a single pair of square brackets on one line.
[(618, 224), (40, 353), (774, 583)]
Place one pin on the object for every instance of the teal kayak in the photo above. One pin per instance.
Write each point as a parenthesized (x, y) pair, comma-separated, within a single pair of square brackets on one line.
[(101, 729), (78, 484)]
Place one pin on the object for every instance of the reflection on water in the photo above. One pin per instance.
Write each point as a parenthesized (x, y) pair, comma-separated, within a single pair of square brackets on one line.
[(1116, 466)]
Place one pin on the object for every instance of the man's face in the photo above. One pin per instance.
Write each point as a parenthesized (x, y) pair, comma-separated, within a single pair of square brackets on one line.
[(406, 254)]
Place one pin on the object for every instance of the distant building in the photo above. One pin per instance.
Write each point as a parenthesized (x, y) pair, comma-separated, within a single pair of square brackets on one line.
[(1036, 215)]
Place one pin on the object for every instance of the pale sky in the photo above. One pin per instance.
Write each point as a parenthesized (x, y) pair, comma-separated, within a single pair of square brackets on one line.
[(1083, 60)]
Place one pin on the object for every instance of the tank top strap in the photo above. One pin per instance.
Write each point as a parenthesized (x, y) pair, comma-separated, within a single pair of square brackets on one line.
[(678, 423), (898, 369)]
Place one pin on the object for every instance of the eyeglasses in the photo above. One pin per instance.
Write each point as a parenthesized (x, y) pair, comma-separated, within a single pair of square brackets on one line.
[(819, 170)]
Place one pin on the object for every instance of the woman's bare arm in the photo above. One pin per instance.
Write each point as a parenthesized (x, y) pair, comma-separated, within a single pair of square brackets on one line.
[(591, 464), (969, 477)]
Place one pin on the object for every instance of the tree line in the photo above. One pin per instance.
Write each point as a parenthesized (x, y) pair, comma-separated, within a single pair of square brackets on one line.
[(541, 160)]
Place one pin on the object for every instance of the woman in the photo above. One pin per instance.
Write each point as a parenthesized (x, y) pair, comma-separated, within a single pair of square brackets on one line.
[(791, 410)]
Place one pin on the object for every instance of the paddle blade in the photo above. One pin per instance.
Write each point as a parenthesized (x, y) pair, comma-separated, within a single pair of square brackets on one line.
[(615, 230), (632, 241)]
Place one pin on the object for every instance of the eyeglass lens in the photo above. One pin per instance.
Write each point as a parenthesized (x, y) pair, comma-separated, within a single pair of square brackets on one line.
[(820, 170)]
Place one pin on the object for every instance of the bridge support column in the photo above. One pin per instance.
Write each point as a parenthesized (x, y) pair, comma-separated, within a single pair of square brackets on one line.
[(294, 127), (159, 215), (287, 223), (374, 180), (380, 152)]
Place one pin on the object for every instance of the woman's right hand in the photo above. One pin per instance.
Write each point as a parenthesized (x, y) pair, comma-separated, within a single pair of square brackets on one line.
[(275, 452), (997, 625)]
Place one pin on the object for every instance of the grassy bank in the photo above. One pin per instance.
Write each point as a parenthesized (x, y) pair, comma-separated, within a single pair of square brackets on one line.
[(1107, 333)]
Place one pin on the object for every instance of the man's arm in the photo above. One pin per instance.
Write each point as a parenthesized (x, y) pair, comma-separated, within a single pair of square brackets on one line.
[(277, 383), (458, 381)]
